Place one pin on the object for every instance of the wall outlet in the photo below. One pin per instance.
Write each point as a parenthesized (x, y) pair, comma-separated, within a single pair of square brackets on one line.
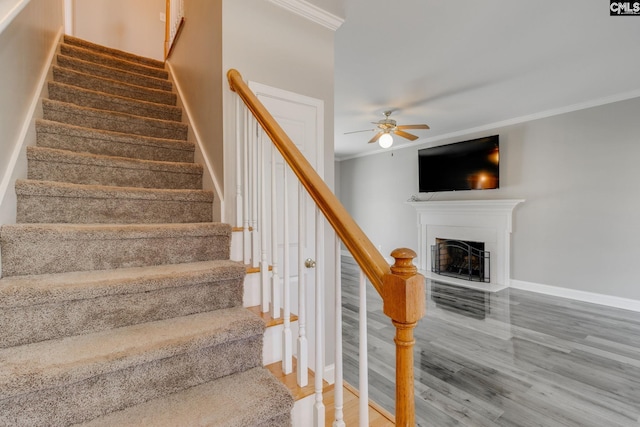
[(163, 17)]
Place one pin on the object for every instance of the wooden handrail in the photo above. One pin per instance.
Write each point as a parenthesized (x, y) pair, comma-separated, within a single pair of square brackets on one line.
[(167, 27), (364, 252), (401, 287)]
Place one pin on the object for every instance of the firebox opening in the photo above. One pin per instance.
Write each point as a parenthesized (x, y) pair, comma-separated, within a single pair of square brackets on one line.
[(461, 259)]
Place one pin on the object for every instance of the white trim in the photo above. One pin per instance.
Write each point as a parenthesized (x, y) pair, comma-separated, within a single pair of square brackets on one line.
[(19, 148), (277, 93), (504, 123), (311, 12), (11, 13), (198, 139), (330, 373), (574, 294)]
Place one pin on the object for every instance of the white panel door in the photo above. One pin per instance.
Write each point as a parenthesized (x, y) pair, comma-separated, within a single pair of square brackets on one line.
[(302, 118)]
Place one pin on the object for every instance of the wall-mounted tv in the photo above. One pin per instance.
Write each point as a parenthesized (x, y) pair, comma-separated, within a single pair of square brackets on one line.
[(467, 165)]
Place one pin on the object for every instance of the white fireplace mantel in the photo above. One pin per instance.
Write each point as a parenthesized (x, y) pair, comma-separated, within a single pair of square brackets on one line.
[(488, 221)]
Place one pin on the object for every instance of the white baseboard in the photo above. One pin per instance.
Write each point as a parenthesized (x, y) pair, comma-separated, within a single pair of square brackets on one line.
[(591, 297), (219, 198), (330, 373), (17, 167)]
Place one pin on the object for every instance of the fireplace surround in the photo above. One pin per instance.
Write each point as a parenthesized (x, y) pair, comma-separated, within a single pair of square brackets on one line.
[(486, 221)]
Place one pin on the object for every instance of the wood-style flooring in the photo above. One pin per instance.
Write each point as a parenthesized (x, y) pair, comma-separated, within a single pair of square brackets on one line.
[(511, 358)]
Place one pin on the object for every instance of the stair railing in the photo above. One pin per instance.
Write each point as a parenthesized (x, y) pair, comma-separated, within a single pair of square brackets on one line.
[(402, 289), (174, 19)]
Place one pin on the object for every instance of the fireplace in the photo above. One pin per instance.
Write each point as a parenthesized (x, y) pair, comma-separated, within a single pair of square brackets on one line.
[(486, 221), (461, 259)]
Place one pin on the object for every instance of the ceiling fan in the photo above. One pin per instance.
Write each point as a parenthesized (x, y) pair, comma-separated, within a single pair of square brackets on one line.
[(388, 126)]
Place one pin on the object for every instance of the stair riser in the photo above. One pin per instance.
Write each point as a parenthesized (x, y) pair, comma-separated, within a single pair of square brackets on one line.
[(87, 55), (90, 398), (42, 322), (116, 176), (31, 255), (114, 122), (91, 99), (113, 87), (95, 142), (113, 73), (70, 40), (80, 210)]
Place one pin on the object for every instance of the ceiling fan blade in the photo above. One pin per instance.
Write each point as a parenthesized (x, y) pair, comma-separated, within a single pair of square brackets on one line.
[(357, 131), (402, 127), (376, 137), (406, 135)]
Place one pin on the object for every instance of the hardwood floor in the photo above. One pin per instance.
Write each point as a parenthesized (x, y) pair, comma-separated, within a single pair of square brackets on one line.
[(511, 358)]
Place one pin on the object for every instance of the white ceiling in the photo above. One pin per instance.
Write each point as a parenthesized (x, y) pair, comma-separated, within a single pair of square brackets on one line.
[(465, 65)]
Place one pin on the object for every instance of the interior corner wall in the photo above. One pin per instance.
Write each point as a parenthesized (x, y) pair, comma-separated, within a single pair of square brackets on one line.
[(25, 46), (579, 174), (270, 45), (196, 61), (132, 26)]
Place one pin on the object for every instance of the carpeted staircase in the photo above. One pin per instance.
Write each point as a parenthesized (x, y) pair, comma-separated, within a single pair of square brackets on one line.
[(118, 302)]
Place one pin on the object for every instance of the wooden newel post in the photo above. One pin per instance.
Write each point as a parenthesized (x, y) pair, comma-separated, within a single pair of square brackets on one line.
[(404, 295)]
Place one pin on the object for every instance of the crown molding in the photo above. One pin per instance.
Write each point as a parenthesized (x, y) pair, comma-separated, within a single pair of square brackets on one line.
[(427, 142), (311, 12)]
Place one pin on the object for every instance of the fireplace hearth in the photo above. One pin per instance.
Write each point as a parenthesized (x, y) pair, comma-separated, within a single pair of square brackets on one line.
[(461, 259)]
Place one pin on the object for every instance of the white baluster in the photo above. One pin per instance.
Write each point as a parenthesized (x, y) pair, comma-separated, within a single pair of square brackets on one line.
[(275, 278), (338, 385), (287, 350), (303, 347), (264, 264), (318, 407), (253, 170), (239, 203), (246, 235), (363, 359)]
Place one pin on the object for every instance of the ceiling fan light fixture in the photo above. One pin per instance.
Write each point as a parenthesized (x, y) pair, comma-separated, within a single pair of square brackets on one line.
[(386, 140)]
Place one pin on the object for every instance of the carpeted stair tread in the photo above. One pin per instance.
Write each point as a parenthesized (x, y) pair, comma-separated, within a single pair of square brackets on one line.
[(251, 398), (113, 73), (111, 61), (64, 136), (62, 202), (113, 52), (23, 291), (48, 306), (114, 87), (112, 121), (52, 363), (59, 248), (48, 164), (90, 375), (92, 99)]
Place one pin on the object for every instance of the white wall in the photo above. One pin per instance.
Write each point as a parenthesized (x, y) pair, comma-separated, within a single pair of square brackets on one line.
[(270, 45), (25, 48), (579, 174), (132, 26)]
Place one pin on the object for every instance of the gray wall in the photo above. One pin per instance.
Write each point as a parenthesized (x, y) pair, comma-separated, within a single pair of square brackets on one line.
[(580, 175)]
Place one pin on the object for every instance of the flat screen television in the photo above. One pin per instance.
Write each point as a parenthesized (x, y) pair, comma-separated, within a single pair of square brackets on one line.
[(466, 165)]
